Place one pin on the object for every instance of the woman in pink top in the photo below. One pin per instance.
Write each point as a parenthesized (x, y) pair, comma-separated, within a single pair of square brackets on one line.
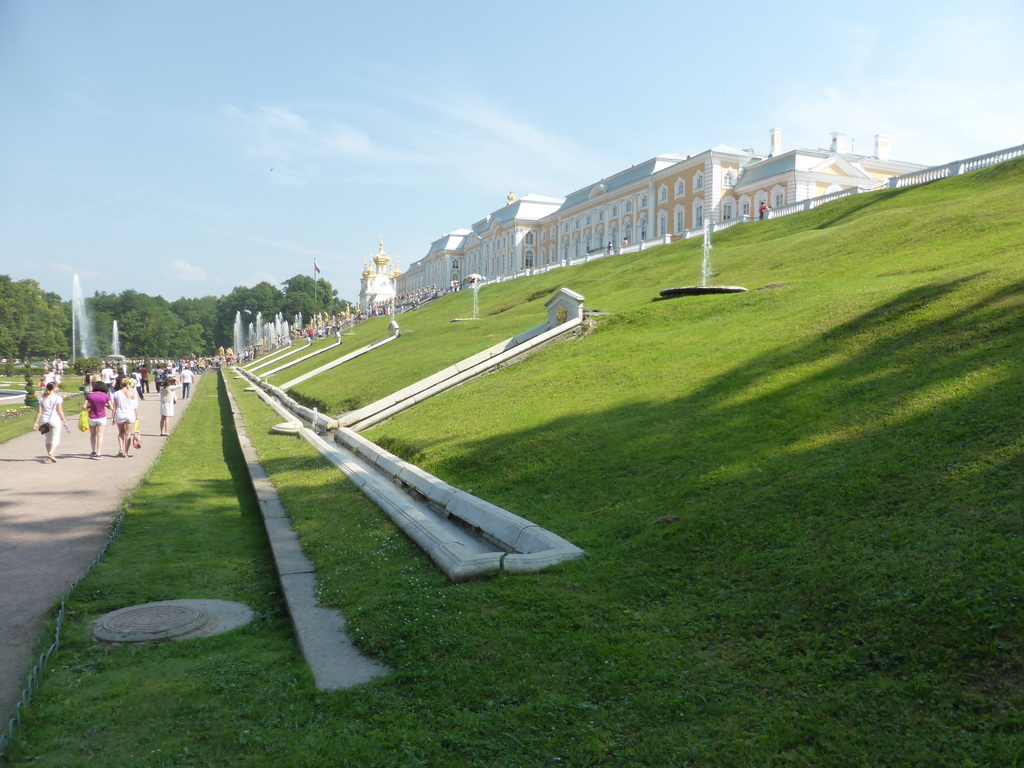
[(99, 403)]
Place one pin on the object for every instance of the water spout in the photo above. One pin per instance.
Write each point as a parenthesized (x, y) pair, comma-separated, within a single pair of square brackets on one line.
[(81, 330), (705, 267)]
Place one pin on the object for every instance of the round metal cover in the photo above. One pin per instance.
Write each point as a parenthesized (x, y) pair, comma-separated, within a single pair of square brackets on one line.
[(170, 620)]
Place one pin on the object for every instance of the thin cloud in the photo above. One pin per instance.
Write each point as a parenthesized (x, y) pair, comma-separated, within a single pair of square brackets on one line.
[(278, 245), (185, 272), (934, 97)]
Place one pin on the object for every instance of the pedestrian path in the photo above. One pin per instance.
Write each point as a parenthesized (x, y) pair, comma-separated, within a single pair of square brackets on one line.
[(54, 519)]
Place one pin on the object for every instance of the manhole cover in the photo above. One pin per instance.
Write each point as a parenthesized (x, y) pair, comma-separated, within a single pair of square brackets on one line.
[(170, 620)]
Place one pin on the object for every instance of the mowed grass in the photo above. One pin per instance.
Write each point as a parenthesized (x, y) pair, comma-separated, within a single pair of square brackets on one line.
[(800, 506)]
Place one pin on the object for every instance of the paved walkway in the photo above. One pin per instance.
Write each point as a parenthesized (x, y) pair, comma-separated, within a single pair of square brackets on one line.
[(54, 519)]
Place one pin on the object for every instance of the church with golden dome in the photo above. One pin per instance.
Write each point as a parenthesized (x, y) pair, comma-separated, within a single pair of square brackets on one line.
[(377, 286)]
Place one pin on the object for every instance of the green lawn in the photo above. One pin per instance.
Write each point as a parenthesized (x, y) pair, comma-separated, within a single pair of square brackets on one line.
[(800, 506)]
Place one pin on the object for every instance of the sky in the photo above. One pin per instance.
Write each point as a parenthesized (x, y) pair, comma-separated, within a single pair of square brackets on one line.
[(181, 149)]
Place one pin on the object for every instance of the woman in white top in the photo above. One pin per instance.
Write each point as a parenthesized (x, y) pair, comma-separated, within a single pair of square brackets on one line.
[(51, 413), (125, 406), (168, 396)]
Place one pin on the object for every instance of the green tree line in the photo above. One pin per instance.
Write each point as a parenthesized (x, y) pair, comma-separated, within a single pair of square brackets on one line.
[(37, 324)]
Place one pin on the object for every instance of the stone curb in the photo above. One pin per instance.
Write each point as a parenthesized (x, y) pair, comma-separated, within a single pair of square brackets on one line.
[(333, 660)]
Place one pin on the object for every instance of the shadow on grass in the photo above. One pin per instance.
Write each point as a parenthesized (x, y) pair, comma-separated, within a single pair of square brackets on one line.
[(862, 487)]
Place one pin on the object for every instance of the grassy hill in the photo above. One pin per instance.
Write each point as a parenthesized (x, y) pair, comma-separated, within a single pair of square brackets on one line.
[(801, 508), (802, 505)]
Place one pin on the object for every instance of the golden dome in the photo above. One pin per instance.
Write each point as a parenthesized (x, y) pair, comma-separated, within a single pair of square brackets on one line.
[(381, 259)]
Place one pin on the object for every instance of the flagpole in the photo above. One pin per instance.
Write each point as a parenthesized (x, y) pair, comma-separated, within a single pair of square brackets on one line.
[(314, 283)]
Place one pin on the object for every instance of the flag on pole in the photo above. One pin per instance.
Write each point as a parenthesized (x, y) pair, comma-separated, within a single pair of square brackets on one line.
[(316, 267)]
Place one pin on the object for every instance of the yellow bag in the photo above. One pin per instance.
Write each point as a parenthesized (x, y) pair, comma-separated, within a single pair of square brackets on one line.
[(83, 420)]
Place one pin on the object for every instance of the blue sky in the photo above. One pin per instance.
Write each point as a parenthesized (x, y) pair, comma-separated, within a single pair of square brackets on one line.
[(184, 148)]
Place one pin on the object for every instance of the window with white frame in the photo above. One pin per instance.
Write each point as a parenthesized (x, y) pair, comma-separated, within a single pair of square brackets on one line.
[(576, 224), (600, 215), (727, 212), (615, 210), (587, 221), (680, 221), (528, 260), (698, 180), (662, 225), (628, 206), (680, 188), (643, 201), (662, 194), (729, 181), (529, 238), (698, 214), (643, 229)]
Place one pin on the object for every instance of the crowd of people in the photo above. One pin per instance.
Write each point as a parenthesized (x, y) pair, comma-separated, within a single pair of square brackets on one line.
[(112, 395)]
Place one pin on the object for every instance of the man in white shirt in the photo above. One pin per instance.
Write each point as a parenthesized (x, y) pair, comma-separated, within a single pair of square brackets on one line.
[(186, 382)]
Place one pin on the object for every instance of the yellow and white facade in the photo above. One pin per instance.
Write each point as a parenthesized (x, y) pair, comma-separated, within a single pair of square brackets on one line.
[(648, 204)]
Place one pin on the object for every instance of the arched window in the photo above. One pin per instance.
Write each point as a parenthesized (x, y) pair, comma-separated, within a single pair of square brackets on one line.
[(627, 233), (728, 208), (528, 260), (662, 224), (680, 188), (643, 229), (698, 180), (680, 220)]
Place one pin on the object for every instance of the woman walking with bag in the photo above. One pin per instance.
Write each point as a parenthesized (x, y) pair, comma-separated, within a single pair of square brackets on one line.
[(49, 418), (125, 406), (98, 402)]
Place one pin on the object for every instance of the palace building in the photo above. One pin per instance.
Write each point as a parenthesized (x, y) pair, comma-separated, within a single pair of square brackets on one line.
[(649, 204)]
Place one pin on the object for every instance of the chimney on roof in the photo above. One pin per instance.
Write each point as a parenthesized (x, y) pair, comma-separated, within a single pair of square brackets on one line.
[(838, 142), (776, 141), (882, 147)]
